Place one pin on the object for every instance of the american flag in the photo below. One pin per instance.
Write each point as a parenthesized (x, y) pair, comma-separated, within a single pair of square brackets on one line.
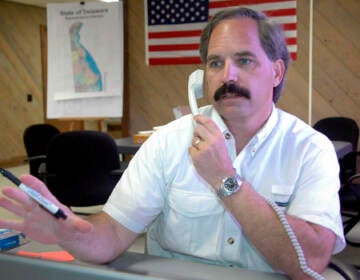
[(173, 27)]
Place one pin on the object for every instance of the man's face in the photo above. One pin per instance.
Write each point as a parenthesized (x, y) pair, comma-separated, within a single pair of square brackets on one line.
[(237, 59)]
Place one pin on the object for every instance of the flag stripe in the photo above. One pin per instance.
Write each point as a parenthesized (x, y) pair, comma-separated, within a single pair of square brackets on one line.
[(197, 33), (188, 47), (289, 26), (179, 43), (175, 60), (193, 43), (168, 54), (174, 41), (227, 3), (291, 41), (285, 12), (159, 48), (178, 54), (174, 34), (216, 6)]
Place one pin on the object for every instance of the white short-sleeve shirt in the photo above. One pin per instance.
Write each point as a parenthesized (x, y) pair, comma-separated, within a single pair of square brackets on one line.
[(287, 161)]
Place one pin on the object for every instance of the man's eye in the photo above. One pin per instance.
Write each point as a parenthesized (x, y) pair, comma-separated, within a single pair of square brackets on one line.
[(244, 61), (214, 64)]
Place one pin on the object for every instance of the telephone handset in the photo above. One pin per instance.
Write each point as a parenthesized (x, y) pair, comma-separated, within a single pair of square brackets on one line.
[(195, 85)]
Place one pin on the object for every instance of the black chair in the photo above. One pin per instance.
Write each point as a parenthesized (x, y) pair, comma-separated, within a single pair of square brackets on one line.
[(341, 129), (346, 129), (350, 206), (82, 167), (36, 138)]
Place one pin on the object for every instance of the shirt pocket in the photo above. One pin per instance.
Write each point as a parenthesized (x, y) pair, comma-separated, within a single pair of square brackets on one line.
[(192, 221), (281, 194)]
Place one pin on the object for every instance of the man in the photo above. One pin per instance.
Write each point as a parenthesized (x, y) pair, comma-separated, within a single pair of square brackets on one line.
[(201, 193)]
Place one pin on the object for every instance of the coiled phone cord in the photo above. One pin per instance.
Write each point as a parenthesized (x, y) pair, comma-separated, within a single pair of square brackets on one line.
[(300, 254)]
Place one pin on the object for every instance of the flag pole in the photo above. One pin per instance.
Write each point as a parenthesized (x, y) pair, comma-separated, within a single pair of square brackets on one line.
[(310, 62)]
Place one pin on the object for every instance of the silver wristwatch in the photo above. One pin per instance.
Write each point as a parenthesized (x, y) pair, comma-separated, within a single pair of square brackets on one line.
[(229, 186)]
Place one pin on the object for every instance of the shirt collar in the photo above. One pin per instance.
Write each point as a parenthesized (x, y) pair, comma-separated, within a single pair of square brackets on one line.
[(264, 132)]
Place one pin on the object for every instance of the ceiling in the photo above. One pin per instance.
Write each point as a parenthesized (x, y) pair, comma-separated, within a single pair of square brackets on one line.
[(42, 3)]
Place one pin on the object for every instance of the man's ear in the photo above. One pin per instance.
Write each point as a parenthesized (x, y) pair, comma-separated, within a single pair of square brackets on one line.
[(279, 71)]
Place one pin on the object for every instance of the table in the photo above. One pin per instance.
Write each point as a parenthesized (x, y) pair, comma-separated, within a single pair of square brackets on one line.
[(342, 148), (126, 146), (130, 265), (133, 266)]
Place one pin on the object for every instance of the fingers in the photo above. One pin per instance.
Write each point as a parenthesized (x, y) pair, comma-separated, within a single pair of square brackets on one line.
[(34, 221), (207, 131), (12, 224), (81, 225), (37, 185), (206, 124), (196, 142), (20, 202), (9, 205)]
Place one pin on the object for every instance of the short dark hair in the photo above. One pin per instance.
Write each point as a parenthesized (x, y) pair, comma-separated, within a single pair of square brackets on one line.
[(270, 34)]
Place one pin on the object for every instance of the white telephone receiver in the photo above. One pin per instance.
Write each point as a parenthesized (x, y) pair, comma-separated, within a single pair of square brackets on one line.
[(195, 83)]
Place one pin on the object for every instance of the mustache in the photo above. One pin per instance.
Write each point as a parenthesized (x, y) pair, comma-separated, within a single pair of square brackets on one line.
[(231, 88)]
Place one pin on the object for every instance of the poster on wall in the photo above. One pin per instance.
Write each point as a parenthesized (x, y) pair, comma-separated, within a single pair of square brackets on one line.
[(85, 50)]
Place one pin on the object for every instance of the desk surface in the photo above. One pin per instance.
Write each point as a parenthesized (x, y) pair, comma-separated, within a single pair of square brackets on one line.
[(182, 270), (128, 266), (127, 146)]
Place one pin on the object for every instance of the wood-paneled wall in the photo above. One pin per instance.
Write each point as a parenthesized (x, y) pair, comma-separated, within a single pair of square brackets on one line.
[(155, 90), (20, 75)]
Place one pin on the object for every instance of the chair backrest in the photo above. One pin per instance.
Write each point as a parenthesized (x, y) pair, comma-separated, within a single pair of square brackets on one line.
[(82, 167), (339, 129), (36, 138)]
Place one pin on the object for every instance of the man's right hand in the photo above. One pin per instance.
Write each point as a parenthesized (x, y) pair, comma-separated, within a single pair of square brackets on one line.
[(37, 223)]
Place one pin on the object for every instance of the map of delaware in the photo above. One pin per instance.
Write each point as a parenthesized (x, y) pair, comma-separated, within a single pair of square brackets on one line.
[(87, 76)]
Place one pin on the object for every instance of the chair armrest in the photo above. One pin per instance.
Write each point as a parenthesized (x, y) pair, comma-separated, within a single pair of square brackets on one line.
[(352, 178), (354, 186), (43, 173), (348, 166), (35, 158), (347, 271), (116, 172)]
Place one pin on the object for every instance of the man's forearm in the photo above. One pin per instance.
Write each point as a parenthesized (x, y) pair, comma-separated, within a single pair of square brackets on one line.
[(103, 243), (263, 228)]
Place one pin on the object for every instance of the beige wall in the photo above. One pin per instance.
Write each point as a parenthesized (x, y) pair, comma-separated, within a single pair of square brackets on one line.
[(155, 90)]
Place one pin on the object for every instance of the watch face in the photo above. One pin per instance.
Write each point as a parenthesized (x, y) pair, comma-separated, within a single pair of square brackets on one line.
[(230, 184)]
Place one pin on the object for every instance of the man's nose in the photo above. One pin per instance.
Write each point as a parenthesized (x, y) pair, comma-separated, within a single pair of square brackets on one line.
[(230, 72)]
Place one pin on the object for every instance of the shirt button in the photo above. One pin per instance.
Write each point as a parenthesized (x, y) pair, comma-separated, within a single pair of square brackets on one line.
[(230, 241), (227, 135)]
